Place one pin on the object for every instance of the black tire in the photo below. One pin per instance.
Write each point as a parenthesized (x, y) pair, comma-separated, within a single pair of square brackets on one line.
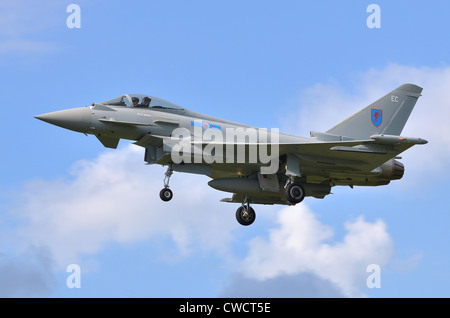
[(294, 193), (166, 194), (245, 217)]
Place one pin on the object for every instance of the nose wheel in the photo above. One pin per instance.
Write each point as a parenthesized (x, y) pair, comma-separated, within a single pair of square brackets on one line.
[(245, 214), (166, 194)]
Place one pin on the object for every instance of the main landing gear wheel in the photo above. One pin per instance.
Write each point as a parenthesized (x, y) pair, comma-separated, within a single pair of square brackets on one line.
[(245, 215), (294, 193), (166, 194)]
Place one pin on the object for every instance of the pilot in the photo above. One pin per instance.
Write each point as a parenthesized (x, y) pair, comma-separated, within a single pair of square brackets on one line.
[(146, 101), (135, 101)]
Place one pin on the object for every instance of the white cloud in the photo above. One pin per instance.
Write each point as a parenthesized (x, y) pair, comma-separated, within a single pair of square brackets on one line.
[(301, 244), (324, 105), (429, 118), (115, 198)]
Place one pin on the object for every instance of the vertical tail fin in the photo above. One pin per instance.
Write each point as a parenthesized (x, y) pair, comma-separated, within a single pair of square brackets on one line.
[(388, 115)]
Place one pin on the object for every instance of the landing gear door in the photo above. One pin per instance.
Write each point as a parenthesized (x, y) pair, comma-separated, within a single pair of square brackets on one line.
[(268, 182)]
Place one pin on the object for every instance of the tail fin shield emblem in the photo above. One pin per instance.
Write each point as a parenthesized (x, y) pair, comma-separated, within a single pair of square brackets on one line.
[(377, 117)]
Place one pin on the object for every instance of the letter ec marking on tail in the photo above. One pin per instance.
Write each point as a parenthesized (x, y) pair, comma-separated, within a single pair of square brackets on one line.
[(377, 117)]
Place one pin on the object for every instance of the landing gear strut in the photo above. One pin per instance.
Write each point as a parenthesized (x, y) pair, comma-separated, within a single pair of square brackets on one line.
[(245, 214), (166, 194), (294, 192)]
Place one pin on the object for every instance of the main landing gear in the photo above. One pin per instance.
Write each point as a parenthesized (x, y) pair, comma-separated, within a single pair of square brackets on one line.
[(245, 215), (166, 194), (294, 192)]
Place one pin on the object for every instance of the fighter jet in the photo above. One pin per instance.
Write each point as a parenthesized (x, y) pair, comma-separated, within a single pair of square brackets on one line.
[(256, 165)]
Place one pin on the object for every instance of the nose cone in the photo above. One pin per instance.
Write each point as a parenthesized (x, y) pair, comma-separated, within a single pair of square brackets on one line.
[(77, 119)]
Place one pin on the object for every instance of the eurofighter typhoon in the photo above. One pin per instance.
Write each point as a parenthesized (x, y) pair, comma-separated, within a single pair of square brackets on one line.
[(256, 165)]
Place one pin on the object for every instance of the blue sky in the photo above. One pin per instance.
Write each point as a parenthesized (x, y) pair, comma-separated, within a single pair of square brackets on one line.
[(293, 65)]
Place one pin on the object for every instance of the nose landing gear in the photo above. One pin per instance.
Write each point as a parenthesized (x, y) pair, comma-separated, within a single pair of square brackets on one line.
[(245, 214), (166, 194)]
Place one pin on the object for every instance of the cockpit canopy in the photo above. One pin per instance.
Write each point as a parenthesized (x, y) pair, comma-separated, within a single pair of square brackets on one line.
[(141, 100)]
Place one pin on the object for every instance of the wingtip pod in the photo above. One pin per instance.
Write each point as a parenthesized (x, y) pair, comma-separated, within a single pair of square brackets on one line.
[(390, 139), (421, 141)]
